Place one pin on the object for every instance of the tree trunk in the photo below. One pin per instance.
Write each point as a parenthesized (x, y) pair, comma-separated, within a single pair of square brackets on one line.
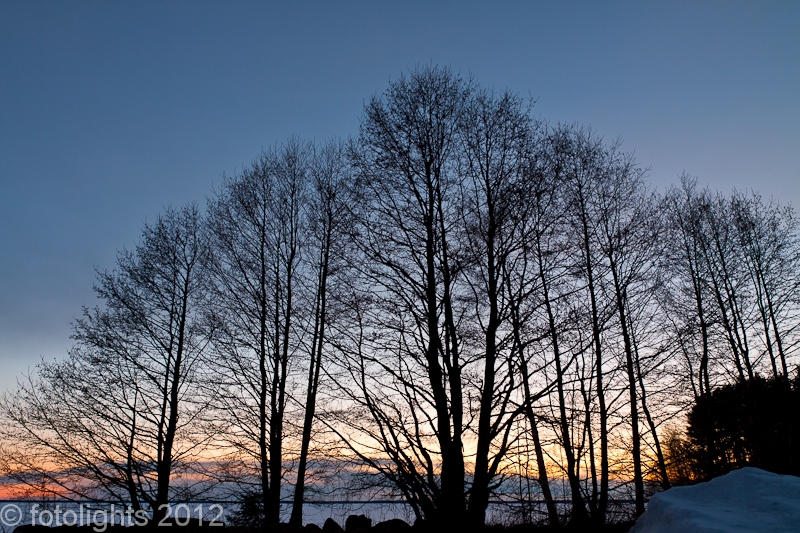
[(479, 494), (313, 382), (578, 506), (638, 480)]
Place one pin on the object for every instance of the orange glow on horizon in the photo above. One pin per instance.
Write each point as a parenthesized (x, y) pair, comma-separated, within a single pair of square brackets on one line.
[(18, 491)]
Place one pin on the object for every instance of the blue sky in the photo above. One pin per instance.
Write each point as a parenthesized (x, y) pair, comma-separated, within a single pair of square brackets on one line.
[(110, 111)]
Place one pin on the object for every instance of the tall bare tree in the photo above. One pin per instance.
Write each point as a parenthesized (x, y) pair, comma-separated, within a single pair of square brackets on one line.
[(768, 242), (577, 160), (257, 228), (119, 417), (628, 234), (497, 138), (329, 198), (409, 220)]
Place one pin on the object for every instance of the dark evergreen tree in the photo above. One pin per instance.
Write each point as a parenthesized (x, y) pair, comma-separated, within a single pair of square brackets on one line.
[(751, 423)]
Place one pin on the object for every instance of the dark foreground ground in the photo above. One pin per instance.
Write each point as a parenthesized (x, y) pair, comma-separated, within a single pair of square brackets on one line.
[(354, 524)]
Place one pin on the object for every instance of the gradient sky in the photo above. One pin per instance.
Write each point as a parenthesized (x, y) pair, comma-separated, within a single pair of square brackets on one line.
[(110, 111)]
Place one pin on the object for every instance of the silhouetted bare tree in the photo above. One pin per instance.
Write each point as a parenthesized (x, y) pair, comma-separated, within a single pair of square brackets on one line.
[(329, 201), (257, 228), (409, 221), (119, 417), (498, 138)]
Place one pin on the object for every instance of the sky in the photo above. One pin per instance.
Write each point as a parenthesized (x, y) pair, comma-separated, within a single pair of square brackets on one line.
[(112, 111)]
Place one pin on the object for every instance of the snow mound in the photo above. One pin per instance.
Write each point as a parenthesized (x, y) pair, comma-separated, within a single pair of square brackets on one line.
[(745, 500)]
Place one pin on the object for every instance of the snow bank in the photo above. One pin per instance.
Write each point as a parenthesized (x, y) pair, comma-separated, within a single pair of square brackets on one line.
[(745, 500)]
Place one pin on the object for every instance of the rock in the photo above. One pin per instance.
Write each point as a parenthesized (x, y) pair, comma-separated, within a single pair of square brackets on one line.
[(357, 523), (330, 526), (395, 525)]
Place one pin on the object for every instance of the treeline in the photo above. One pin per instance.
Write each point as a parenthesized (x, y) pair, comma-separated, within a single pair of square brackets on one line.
[(460, 296)]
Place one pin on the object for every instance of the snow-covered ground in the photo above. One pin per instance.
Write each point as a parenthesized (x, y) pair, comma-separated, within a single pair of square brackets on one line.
[(746, 500)]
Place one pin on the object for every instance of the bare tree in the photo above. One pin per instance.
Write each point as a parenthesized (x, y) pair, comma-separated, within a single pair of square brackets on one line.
[(768, 242), (409, 218), (727, 280), (78, 428), (256, 231), (121, 413), (497, 142), (577, 160), (530, 281), (459, 291), (627, 241), (686, 297), (329, 224)]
